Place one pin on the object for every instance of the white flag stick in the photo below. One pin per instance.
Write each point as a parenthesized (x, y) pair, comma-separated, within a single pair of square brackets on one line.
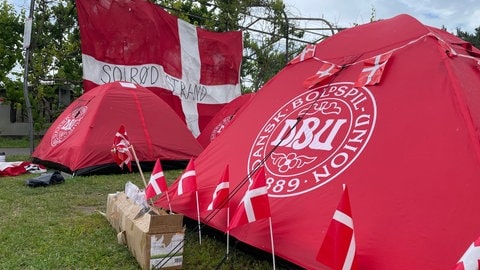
[(138, 165), (198, 218), (271, 239), (228, 231), (168, 200)]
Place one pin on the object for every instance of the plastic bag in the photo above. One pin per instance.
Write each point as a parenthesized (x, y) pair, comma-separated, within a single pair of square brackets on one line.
[(135, 194)]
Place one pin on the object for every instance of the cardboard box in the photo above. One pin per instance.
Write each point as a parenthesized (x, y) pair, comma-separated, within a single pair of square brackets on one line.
[(154, 238)]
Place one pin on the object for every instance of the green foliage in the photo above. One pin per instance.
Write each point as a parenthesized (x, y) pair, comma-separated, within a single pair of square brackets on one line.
[(373, 14), (14, 91), (11, 30), (56, 58), (472, 38)]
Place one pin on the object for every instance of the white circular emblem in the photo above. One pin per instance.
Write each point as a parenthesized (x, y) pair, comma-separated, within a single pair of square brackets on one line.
[(67, 125), (313, 138)]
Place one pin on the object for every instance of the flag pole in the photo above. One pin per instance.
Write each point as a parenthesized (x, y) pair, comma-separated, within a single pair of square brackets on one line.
[(198, 218), (271, 239), (168, 200), (138, 165), (228, 231)]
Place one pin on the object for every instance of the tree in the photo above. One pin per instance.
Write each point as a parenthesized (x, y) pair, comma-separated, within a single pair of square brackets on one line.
[(11, 31), (472, 38), (55, 58)]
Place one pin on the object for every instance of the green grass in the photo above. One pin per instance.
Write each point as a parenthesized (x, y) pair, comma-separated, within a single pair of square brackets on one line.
[(61, 227), (16, 142)]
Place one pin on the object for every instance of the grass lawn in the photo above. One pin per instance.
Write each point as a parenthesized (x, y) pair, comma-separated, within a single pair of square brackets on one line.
[(9, 142), (61, 227)]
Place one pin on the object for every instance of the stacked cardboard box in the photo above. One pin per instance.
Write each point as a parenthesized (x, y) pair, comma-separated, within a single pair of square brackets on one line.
[(155, 238)]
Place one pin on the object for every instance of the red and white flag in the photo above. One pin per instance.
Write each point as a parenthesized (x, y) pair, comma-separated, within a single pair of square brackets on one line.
[(338, 247), (471, 259), (13, 168), (121, 149), (220, 195), (188, 179), (373, 70), (195, 71), (307, 53), (157, 184), (254, 204), (325, 71)]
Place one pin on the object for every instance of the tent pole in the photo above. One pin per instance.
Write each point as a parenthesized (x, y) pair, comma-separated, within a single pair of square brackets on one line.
[(26, 46)]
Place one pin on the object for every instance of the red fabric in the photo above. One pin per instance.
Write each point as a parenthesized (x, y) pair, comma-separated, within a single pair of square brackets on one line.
[(157, 183), (407, 148), (13, 168), (254, 206), (221, 192), (223, 119), (338, 246), (80, 139), (188, 180), (139, 42), (447, 47), (121, 149)]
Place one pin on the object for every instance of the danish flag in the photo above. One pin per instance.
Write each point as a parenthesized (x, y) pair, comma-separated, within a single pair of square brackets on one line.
[(338, 247), (121, 149), (194, 70), (373, 70), (157, 184), (471, 259), (220, 195), (307, 53), (254, 204), (188, 179), (325, 71), (14, 168)]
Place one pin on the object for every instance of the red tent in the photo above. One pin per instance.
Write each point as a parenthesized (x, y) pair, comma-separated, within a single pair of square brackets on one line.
[(81, 138), (222, 119), (407, 147)]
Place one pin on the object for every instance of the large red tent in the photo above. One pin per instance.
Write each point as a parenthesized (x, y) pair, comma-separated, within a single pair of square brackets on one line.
[(81, 138), (407, 147)]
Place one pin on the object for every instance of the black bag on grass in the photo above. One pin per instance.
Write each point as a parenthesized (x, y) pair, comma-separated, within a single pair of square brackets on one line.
[(45, 179)]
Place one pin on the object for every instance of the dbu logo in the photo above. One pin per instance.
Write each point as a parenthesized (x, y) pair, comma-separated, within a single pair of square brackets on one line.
[(313, 138), (67, 125)]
